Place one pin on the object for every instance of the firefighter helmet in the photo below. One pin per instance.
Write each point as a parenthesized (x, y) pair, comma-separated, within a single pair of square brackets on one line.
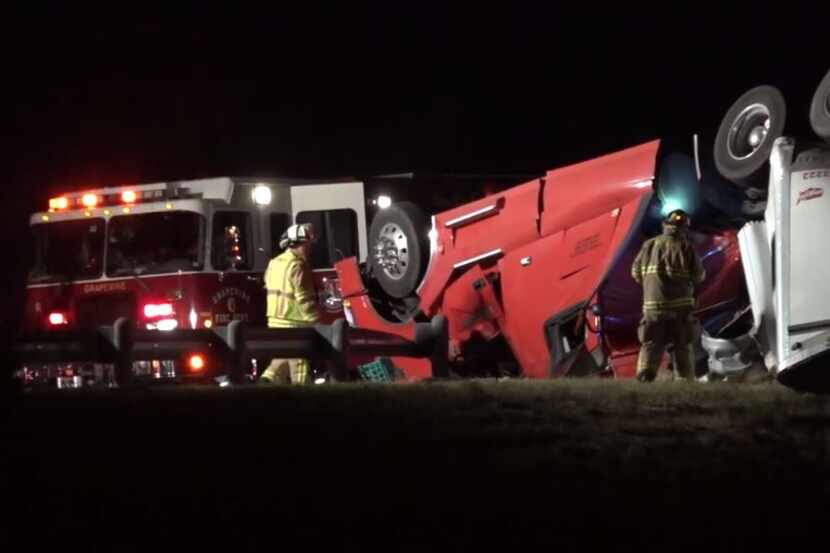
[(296, 235), (677, 218)]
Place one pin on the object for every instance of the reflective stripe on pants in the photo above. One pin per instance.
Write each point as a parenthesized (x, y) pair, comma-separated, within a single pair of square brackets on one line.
[(287, 371)]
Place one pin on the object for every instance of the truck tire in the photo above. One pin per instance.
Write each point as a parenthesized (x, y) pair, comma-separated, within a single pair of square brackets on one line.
[(398, 248), (746, 133), (820, 109)]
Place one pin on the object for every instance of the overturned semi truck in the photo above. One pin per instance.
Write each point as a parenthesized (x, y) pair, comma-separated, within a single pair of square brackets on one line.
[(534, 281)]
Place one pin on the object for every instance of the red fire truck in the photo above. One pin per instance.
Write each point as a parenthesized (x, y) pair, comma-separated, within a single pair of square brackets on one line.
[(529, 279), (168, 257)]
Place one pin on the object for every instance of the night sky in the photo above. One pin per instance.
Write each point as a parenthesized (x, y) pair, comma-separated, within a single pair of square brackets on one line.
[(131, 96)]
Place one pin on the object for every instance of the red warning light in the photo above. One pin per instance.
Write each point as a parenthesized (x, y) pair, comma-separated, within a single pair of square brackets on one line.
[(89, 200), (57, 318), (196, 363)]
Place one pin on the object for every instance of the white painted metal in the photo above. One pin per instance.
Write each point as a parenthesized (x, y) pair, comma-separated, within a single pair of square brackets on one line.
[(339, 195)]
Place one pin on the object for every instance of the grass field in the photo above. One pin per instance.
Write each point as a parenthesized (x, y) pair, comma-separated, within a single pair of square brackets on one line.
[(573, 464)]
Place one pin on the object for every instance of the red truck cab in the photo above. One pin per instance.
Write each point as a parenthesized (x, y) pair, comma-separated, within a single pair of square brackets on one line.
[(541, 268)]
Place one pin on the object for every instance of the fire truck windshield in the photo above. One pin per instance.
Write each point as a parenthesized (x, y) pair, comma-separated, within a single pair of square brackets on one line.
[(152, 243), (67, 250)]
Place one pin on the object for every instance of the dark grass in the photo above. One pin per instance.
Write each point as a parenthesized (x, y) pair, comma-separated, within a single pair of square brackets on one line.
[(576, 465)]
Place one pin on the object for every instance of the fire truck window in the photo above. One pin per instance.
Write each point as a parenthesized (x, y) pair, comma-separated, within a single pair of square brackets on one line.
[(153, 243), (337, 235), (67, 250), (279, 222), (231, 237)]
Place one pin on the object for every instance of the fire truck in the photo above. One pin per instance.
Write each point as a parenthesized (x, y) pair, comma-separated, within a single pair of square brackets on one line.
[(169, 257), (529, 279)]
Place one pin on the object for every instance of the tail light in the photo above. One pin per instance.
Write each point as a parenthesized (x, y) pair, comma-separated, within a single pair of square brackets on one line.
[(56, 318), (128, 197), (156, 310)]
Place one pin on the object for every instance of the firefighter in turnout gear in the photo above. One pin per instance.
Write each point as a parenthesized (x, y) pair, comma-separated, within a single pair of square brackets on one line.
[(292, 300), (668, 268)]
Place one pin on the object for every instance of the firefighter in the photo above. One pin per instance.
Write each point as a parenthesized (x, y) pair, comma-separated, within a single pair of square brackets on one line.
[(292, 300), (668, 268)]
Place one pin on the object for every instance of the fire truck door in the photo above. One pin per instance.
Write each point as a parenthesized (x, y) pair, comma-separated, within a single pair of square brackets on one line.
[(329, 205), (338, 213)]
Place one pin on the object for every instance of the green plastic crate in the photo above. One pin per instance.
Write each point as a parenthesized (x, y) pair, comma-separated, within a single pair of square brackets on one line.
[(379, 370)]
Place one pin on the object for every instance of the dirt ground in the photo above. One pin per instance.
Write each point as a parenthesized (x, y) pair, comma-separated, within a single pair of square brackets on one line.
[(573, 464)]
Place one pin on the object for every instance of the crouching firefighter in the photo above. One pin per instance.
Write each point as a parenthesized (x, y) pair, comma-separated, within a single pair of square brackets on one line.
[(668, 268), (291, 299)]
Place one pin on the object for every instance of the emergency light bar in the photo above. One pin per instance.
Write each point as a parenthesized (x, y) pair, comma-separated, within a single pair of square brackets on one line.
[(89, 200), (131, 194)]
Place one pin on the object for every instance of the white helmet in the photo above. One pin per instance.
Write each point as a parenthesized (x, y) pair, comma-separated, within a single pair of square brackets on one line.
[(296, 235)]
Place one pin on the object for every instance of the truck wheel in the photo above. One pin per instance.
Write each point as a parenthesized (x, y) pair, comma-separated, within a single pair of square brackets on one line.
[(398, 248), (820, 109), (746, 133)]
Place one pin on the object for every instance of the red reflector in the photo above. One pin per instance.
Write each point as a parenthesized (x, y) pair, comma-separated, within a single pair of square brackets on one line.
[(57, 319), (196, 363), (89, 200), (128, 197), (58, 203), (153, 310)]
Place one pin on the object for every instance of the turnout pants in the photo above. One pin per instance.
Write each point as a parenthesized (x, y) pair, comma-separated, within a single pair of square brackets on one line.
[(286, 371), (659, 328)]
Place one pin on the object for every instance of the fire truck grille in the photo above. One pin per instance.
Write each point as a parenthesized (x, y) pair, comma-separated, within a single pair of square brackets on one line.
[(104, 310)]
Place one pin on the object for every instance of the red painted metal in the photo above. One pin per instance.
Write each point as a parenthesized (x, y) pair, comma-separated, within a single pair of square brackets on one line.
[(218, 297), (510, 263), (580, 192), (358, 305), (513, 221), (565, 270)]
